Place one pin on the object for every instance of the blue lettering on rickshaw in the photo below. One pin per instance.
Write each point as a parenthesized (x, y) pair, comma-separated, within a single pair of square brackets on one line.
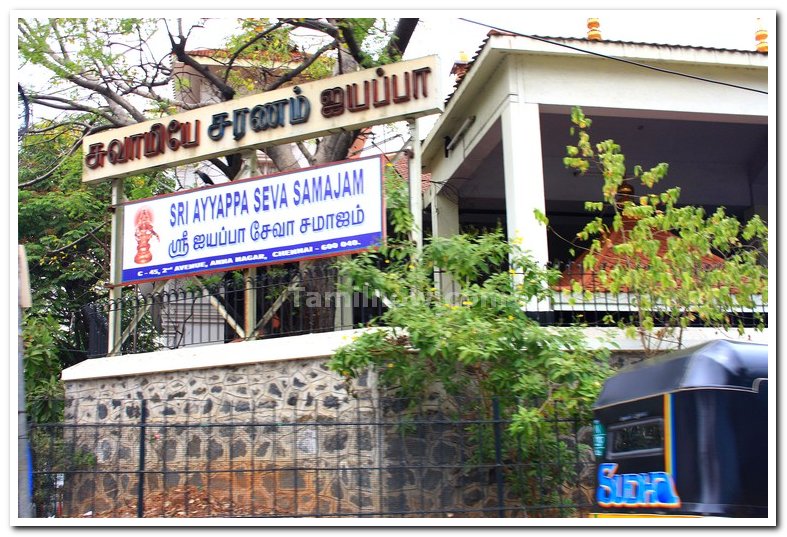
[(648, 489)]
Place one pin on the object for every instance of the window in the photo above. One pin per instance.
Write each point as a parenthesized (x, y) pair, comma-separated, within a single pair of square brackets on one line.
[(636, 439)]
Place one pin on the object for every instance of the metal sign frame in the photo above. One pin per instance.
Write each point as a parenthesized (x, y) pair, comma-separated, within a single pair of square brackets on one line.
[(177, 235)]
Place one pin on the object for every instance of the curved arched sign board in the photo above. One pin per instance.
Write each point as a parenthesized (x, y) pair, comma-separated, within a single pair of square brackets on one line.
[(394, 92)]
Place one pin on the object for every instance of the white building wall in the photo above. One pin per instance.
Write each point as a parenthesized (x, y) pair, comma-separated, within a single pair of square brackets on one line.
[(597, 82), (487, 105)]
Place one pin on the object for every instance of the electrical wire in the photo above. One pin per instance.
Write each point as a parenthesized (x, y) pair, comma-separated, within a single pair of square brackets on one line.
[(615, 58)]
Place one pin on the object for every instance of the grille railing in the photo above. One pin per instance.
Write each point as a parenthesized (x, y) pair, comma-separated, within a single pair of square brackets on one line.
[(362, 457), (292, 302)]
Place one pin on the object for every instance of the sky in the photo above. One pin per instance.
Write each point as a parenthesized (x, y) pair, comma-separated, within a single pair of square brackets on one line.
[(442, 32)]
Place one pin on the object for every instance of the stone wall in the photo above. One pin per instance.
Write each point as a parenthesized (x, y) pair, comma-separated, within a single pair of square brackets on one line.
[(280, 438), (431, 461), (261, 438), (620, 359)]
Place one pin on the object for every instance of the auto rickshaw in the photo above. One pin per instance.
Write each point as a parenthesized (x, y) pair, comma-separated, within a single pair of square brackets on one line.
[(685, 434)]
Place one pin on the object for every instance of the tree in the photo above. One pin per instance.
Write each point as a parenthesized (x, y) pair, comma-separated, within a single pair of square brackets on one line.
[(477, 335), (105, 73), (64, 226), (105, 70), (679, 265), (474, 340)]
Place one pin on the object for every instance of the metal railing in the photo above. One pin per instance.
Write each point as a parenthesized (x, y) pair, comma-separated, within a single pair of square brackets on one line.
[(215, 310), (597, 305), (293, 302), (379, 457)]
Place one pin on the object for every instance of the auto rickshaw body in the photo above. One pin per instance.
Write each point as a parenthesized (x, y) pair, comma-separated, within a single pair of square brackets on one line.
[(685, 434)]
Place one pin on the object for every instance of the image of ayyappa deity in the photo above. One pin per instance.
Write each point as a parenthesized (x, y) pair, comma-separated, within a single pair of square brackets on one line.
[(143, 224)]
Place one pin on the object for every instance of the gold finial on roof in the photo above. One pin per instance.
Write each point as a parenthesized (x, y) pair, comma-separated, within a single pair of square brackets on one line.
[(761, 35), (594, 34)]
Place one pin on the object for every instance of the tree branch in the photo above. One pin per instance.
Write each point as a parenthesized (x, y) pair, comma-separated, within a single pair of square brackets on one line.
[(65, 69), (179, 48), (26, 104), (352, 46), (301, 68), (306, 153), (229, 168), (80, 239), (401, 37), (321, 25), (67, 104), (51, 172), (238, 52), (283, 157)]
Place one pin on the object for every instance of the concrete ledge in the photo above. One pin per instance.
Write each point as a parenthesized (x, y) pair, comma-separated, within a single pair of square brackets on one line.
[(691, 337), (207, 356), (318, 346)]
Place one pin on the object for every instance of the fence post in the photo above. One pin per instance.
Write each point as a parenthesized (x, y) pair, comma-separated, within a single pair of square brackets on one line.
[(141, 472), (498, 456)]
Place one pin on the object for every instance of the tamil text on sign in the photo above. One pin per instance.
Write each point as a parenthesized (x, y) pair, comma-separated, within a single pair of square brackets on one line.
[(309, 213), (398, 91)]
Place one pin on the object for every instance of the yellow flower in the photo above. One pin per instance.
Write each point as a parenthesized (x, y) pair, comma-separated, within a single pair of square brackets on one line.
[(510, 317), (511, 271), (467, 303), (389, 365)]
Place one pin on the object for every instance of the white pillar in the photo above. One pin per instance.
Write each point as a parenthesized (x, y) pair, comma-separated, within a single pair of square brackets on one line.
[(445, 216), (115, 270), (416, 196), (524, 177), (445, 223)]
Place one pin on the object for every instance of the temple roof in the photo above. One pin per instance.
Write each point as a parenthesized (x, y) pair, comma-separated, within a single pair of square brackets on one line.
[(607, 258)]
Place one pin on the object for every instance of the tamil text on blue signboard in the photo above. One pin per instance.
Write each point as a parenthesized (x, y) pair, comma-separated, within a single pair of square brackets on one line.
[(314, 212)]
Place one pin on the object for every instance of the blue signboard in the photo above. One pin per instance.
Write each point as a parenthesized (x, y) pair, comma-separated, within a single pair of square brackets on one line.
[(314, 212)]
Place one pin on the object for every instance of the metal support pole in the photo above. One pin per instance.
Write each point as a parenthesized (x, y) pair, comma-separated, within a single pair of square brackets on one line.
[(143, 414), (416, 196), (250, 169), (24, 462), (343, 315), (250, 303), (134, 322), (115, 270), (25, 475), (499, 477)]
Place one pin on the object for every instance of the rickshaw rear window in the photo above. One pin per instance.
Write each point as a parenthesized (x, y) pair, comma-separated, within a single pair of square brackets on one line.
[(637, 438)]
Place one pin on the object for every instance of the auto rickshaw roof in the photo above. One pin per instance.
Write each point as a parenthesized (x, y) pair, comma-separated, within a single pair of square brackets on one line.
[(719, 364)]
